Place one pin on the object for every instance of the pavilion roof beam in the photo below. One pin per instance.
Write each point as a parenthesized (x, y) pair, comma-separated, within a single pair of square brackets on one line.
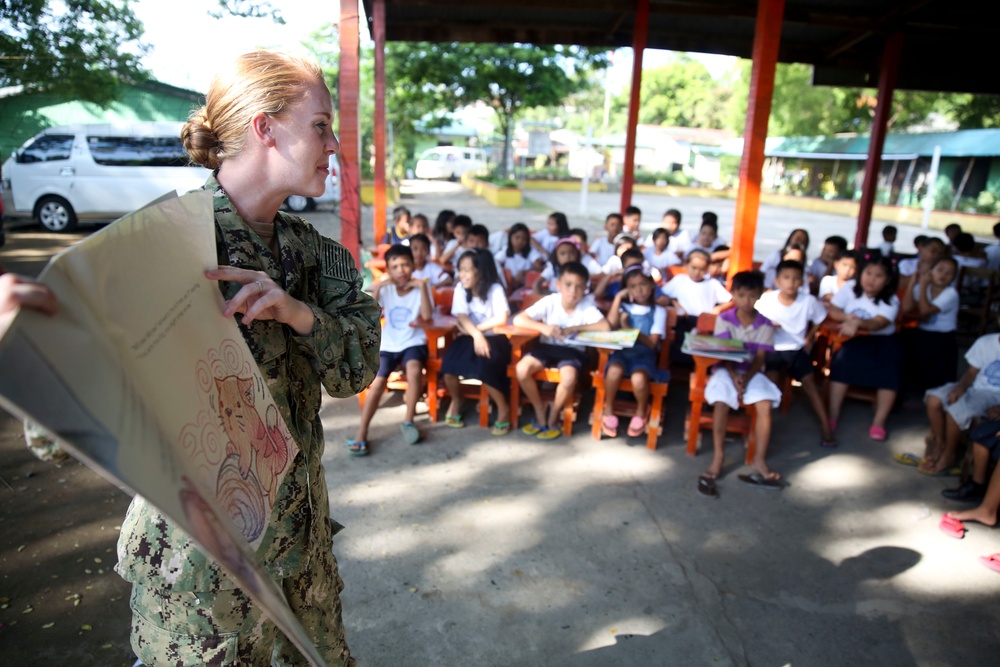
[(895, 16)]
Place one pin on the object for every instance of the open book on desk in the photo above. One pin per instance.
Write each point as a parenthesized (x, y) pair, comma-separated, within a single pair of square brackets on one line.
[(713, 347), (612, 340)]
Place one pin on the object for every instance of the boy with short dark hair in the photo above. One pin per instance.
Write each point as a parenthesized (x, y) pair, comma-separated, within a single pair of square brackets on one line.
[(732, 383), (400, 231), (460, 227), (631, 220), (423, 268), (888, 239), (404, 299), (556, 317), (603, 248), (797, 316), (822, 266)]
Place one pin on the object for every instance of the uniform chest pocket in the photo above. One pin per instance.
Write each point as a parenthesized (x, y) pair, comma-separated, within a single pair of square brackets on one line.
[(267, 340)]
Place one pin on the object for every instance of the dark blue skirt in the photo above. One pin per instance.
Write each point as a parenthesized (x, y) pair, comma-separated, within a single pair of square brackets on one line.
[(460, 359), (869, 361)]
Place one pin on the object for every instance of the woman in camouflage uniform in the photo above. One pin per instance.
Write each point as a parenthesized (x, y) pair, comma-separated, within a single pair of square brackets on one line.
[(266, 133)]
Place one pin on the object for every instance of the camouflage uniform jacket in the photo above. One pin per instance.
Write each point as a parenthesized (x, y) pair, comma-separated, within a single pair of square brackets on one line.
[(342, 354)]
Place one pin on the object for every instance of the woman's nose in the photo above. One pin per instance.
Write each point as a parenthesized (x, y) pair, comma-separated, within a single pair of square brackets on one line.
[(334, 144)]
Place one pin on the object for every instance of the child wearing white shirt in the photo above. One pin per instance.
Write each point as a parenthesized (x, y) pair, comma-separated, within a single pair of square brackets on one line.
[(930, 351), (797, 315), (424, 269), (874, 360), (692, 294), (603, 248)]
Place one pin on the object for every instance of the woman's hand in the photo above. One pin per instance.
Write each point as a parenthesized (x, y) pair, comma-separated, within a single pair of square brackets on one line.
[(261, 298)]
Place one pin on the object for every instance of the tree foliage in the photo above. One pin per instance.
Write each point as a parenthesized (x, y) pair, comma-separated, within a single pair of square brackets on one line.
[(430, 76), (79, 49), (682, 94)]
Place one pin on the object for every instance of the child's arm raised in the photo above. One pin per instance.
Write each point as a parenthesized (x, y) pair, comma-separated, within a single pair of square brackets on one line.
[(615, 316), (606, 279), (925, 307)]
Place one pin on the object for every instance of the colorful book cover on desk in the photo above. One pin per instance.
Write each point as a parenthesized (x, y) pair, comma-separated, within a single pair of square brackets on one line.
[(614, 340), (717, 348)]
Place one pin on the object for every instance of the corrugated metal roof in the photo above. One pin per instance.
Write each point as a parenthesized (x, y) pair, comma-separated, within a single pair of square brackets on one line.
[(962, 143)]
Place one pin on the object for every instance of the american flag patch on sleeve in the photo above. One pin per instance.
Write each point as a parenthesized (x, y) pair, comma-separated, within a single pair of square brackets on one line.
[(337, 262)]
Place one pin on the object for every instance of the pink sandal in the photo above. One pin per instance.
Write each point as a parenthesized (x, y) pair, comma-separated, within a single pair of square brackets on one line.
[(637, 426), (609, 426)]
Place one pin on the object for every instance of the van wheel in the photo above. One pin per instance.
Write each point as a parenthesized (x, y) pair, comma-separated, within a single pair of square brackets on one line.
[(55, 214), (298, 203)]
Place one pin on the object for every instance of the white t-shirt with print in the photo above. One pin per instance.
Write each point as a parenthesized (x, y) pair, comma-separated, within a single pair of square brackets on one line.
[(695, 298), (602, 249), (477, 309), (399, 312), (549, 310), (794, 320), (865, 308), (432, 273), (985, 355)]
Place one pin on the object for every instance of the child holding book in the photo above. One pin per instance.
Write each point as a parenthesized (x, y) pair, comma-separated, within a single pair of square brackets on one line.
[(692, 294), (733, 383), (634, 308), (556, 317)]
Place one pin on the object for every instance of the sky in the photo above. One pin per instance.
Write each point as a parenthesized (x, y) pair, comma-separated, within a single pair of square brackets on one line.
[(188, 46)]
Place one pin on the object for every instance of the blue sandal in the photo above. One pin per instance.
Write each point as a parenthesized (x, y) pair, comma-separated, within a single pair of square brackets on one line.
[(357, 447)]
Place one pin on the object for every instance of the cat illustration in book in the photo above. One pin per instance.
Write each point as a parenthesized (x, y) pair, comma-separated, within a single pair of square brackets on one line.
[(259, 444)]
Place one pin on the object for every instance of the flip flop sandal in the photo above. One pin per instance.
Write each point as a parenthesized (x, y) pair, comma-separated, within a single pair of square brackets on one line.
[(454, 421), (532, 429), (549, 434), (707, 488), (636, 426), (952, 527), (992, 561), (500, 428), (828, 444), (878, 434), (357, 447), (609, 426), (757, 480), (908, 459)]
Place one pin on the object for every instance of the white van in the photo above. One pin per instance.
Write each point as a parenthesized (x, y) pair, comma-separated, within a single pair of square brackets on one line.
[(97, 172), (449, 162)]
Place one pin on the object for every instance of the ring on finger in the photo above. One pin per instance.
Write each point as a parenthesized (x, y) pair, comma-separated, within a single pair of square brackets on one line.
[(260, 286)]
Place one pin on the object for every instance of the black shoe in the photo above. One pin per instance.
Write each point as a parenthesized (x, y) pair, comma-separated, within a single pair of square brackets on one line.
[(970, 492)]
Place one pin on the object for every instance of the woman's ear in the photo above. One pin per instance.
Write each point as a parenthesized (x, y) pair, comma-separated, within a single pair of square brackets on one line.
[(262, 128)]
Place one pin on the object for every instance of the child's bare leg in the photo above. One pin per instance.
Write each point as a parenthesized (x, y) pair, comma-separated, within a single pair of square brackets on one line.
[(884, 398), (763, 433), (838, 390), (375, 392), (525, 369), (935, 415), (640, 389), (414, 384), (455, 391), (986, 513), (612, 380), (720, 419), (816, 401), (503, 406), (946, 454), (564, 393)]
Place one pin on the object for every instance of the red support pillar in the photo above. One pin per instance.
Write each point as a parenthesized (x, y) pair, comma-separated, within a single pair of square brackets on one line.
[(888, 73), (638, 46), (378, 30), (349, 84), (767, 38)]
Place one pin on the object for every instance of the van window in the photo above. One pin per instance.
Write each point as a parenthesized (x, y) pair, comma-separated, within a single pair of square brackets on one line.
[(46, 148), (138, 151)]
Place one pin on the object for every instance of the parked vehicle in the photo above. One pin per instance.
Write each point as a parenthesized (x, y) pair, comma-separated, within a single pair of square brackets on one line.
[(97, 172), (300, 203), (449, 162)]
